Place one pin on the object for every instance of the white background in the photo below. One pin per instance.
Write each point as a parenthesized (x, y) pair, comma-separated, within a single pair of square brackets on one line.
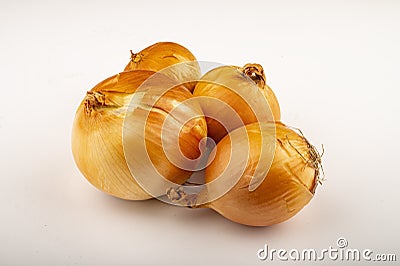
[(334, 66)]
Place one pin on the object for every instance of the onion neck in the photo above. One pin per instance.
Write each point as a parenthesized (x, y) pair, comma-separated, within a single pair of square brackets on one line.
[(93, 100), (96, 100), (135, 58), (256, 73)]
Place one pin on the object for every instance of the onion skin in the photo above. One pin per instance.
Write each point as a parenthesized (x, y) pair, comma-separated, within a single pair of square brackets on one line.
[(256, 73), (97, 142), (289, 185), (172, 59), (230, 84)]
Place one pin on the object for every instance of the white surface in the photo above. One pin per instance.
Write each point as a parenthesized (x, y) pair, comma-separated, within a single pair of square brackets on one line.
[(334, 67)]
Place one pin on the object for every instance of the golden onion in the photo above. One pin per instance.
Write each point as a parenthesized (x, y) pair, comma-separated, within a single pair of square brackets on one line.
[(228, 91), (172, 59), (275, 177), (288, 186), (100, 129)]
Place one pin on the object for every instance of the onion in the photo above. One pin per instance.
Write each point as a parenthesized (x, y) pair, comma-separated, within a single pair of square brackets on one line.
[(276, 180), (287, 187), (242, 89), (172, 59), (100, 129)]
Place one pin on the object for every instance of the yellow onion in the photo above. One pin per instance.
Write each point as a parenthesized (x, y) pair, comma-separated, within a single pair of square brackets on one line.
[(100, 129), (172, 59), (274, 175), (289, 183), (243, 89)]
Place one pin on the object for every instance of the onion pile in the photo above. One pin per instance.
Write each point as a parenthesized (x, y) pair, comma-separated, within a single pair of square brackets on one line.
[(143, 133)]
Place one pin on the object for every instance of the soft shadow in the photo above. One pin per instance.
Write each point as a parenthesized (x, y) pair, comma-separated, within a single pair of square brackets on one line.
[(186, 218)]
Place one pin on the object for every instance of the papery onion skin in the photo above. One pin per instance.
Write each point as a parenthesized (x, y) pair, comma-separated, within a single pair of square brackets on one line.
[(256, 73), (228, 84), (289, 185), (172, 59), (97, 141)]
